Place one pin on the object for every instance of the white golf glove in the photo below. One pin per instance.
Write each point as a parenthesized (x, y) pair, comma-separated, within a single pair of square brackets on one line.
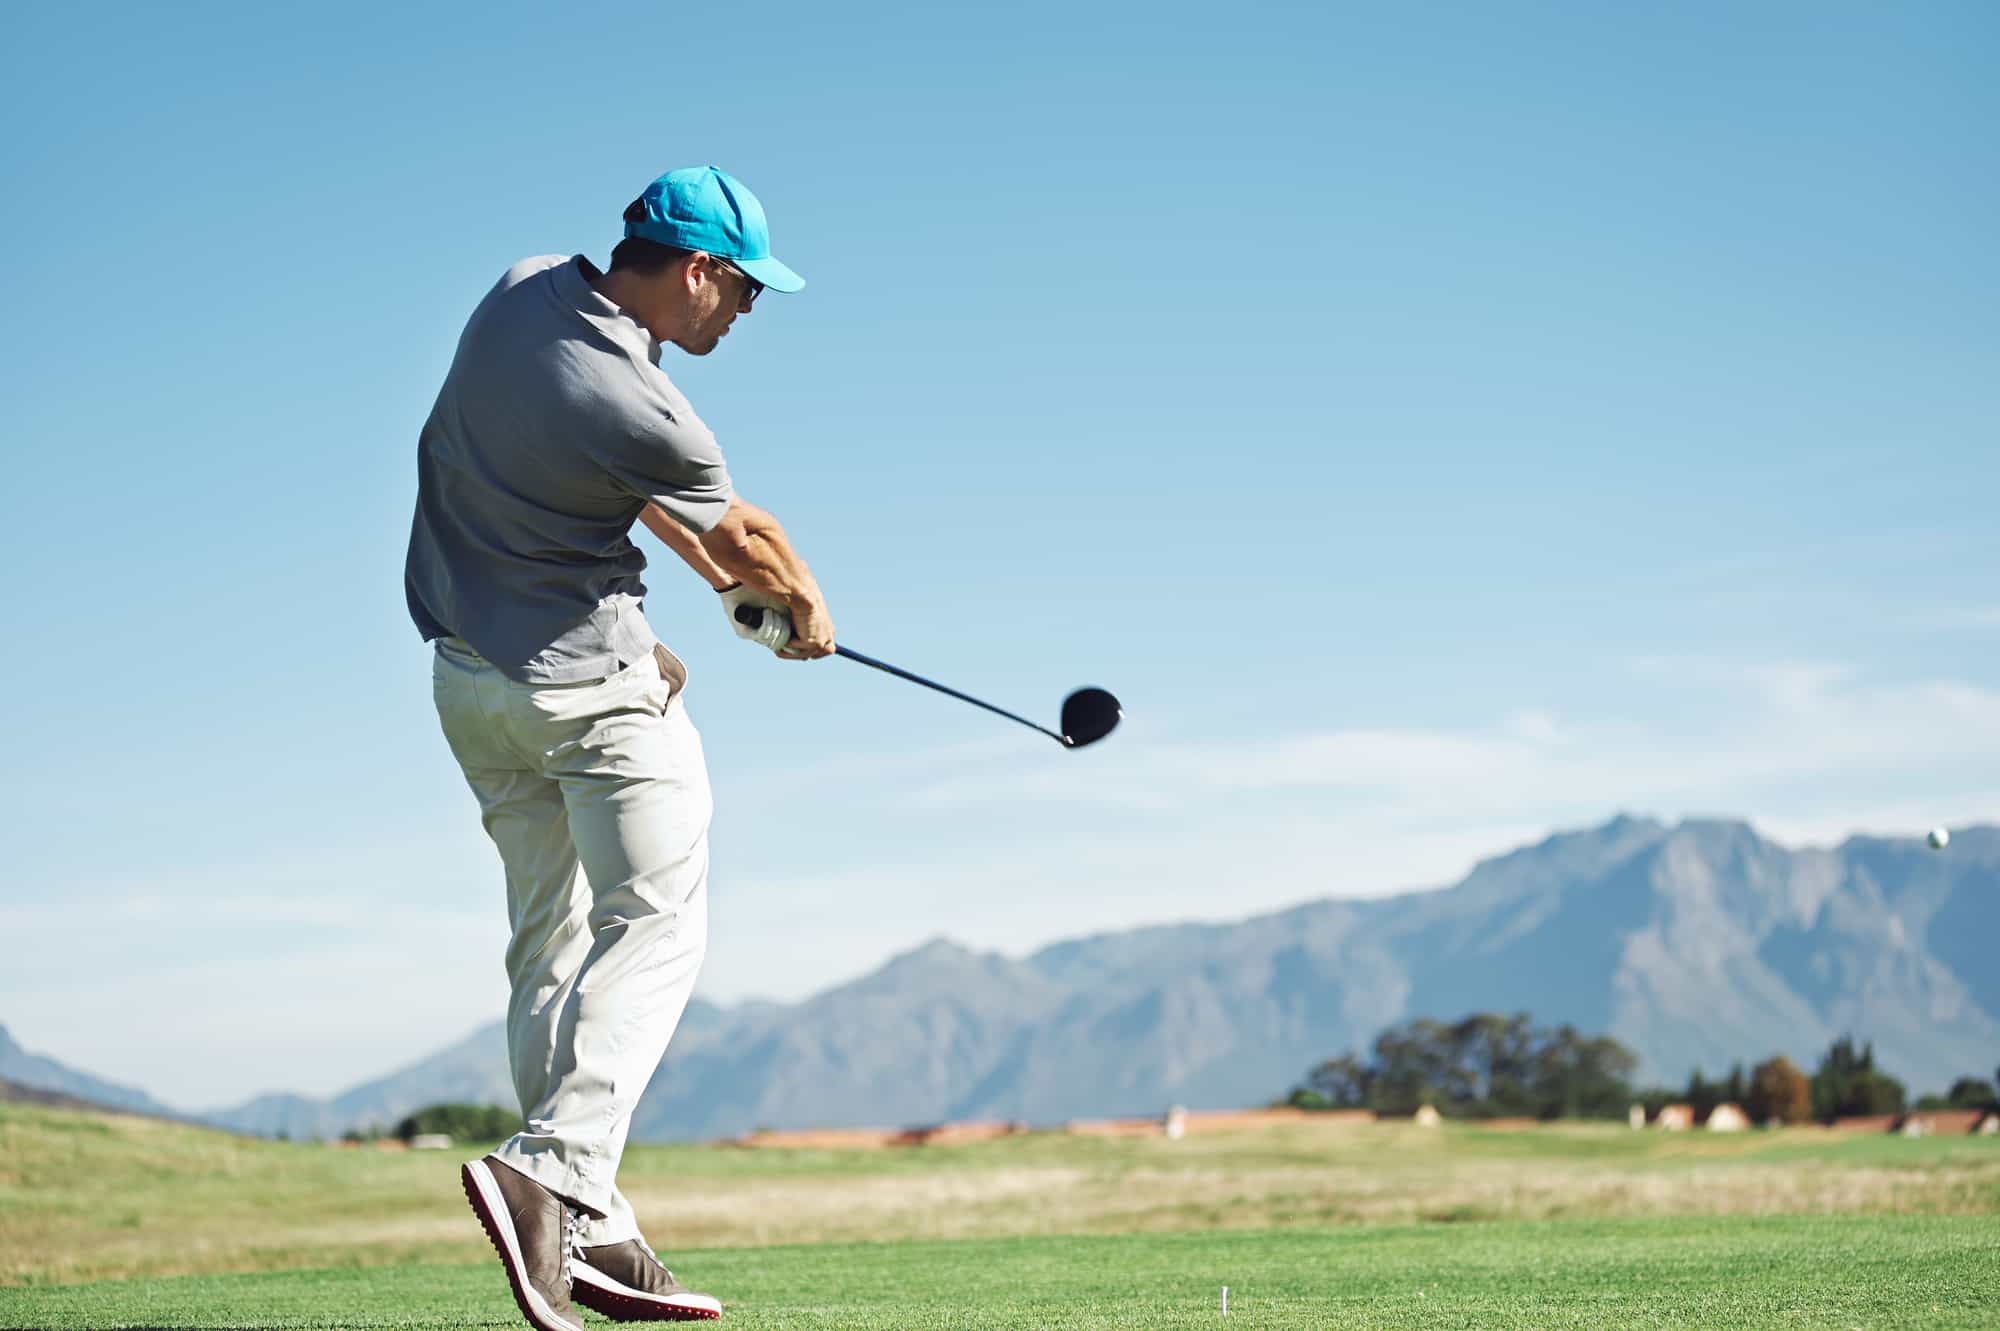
[(773, 631)]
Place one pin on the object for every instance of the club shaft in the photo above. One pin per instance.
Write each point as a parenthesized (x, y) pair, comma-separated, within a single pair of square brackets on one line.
[(900, 673)]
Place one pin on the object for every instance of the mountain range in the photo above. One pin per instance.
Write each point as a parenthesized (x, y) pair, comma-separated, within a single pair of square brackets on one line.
[(22, 1071), (1697, 945)]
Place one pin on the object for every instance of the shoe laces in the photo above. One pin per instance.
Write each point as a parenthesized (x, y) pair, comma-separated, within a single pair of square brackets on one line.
[(647, 1248), (572, 1246)]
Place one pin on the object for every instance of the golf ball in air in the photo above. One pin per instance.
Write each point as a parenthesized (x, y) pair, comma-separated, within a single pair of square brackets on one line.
[(1939, 838)]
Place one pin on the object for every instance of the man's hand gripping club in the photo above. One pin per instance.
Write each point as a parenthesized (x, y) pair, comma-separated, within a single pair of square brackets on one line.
[(768, 627)]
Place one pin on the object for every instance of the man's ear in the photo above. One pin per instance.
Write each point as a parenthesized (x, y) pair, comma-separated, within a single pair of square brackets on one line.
[(697, 272)]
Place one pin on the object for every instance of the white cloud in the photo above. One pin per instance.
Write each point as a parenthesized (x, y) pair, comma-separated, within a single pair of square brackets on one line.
[(1747, 730)]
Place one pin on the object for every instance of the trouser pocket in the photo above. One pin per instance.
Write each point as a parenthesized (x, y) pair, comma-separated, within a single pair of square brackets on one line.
[(671, 669)]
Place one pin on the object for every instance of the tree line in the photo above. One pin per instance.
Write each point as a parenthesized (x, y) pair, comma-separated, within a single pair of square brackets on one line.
[(460, 1122), (1845, 1083), (1492, 1066), (1483, 1066)]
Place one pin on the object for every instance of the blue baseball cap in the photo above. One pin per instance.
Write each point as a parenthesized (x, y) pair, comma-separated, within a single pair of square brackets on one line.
[(705, 208)]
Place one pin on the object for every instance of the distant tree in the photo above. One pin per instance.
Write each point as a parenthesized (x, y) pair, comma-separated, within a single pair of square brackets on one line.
[(1417, 1064), (1778, 1093), (1880, 1094), (1704, 1095), (1340, 1083), (1971, 1093), (1498, 1056), (1846, 1083), (462, 1122), (1581, 1076), (1840, 1067), (1735, 1090)]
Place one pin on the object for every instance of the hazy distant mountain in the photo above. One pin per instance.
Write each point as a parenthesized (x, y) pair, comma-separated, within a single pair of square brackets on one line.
[(473, 1071), (35, 1072), (1700, 944)]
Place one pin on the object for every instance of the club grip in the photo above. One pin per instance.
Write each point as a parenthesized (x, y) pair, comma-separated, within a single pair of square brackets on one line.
[(750, 616)]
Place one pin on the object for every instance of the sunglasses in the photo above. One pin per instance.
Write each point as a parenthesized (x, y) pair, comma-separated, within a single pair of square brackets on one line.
[(752, 288)]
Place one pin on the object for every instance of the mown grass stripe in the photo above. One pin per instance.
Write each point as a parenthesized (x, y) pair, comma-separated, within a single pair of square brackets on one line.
[(1720, 1272)]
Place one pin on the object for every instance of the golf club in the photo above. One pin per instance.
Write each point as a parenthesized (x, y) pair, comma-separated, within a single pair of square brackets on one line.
[(1088, 715)]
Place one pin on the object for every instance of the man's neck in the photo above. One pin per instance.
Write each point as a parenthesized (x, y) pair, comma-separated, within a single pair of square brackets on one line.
[(631, 293), (619, 289)]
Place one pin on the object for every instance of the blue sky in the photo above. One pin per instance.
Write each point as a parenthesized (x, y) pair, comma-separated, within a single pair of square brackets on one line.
[(1439, 424)]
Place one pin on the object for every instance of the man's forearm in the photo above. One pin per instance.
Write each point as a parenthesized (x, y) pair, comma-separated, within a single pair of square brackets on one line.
[(749, 546), (685, 544)]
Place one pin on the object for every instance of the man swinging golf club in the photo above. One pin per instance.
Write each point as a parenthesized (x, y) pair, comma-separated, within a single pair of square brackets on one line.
[(554, 431)]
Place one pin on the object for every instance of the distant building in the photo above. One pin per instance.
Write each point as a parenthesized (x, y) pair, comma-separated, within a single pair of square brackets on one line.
[(817, 1139), (1113, 1127), (1636, 1116), (1948, 1123), (1176, 1123), (1674, 1118), (431, 1141), (1427, 1116), (956, 1134), (1727, 1117), (1235, 1120)]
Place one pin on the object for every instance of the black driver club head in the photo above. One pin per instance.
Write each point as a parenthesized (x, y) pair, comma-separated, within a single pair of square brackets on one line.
[(1088, 715)]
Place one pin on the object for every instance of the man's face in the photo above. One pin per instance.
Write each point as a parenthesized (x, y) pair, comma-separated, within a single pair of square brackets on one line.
[(717, 293)]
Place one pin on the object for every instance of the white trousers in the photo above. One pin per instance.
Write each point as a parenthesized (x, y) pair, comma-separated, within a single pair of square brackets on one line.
[(597, 798)]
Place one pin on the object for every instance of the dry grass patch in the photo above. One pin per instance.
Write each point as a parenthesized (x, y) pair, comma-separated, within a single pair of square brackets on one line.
[(86, 1197)]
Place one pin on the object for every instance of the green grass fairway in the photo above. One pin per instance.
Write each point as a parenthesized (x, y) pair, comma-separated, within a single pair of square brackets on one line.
[(118, 1223), (1823, 1271)]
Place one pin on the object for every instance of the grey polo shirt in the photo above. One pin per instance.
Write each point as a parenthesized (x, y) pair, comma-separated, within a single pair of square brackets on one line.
[(554, 429)]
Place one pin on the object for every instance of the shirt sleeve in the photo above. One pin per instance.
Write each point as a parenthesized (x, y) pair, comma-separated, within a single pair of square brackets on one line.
[(657, 448)]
